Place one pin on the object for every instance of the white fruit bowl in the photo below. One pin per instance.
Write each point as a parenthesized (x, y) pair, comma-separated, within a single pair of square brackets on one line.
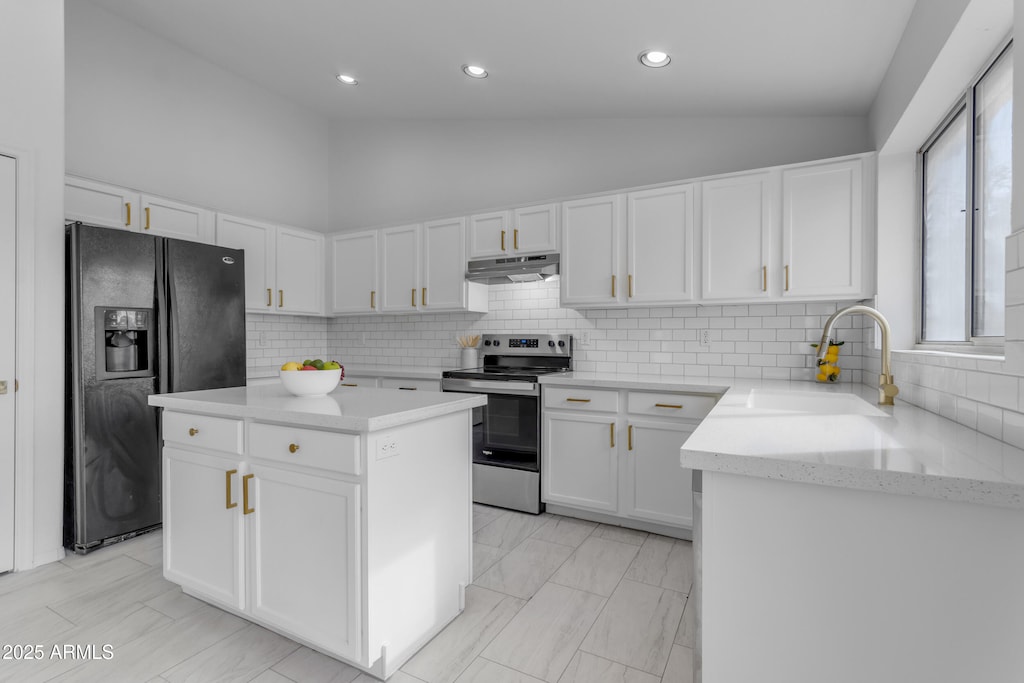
[(310, 382)]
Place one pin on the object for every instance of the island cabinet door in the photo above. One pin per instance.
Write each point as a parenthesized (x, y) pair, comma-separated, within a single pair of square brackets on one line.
[(580, 465), (304, 575), (203, 532), (655, 487)]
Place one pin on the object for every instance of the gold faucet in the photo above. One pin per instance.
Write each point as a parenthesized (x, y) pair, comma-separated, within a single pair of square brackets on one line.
[(887, 389)]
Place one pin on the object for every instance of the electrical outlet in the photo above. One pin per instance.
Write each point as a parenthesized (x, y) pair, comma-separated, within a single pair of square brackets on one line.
[(263, 338), (362, 339), (387, 446), (584, 337), (704, 337)]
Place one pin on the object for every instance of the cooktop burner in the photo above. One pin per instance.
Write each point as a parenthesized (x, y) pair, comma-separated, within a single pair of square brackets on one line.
[(519, 357)]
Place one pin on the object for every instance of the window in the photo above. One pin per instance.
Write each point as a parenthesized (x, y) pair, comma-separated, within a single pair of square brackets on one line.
[(965, 206)]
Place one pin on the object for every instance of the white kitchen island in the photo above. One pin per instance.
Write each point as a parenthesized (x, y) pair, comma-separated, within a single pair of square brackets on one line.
[(843, 542), (343, 522)]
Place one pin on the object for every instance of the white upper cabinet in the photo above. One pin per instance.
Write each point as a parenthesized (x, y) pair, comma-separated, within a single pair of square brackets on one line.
[(110, 206), (736, 228), (283, 266), (400, 269), (590, 251), (822, 230), (300, 271), (168, 218), (523, 231), (659, 249), (354, 263), (423, 268), (100, 204)]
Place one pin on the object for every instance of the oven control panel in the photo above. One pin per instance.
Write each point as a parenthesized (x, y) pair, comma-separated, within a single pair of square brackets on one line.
[(527, 345)]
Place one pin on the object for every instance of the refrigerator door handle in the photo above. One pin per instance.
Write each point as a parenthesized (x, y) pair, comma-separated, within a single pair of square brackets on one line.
[(163, 321)]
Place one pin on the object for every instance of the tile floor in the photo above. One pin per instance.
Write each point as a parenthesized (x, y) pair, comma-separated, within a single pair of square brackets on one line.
[(554, 599)]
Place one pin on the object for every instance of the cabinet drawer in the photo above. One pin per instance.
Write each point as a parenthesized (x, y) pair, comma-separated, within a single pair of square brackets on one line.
[(410, 384), (307, 447), (601, 400), (689, 406), (203, 431), (359, 381)]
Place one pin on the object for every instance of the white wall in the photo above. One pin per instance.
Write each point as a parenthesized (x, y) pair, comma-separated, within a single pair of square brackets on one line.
[(393, 171), (32, 128), (146, 114)]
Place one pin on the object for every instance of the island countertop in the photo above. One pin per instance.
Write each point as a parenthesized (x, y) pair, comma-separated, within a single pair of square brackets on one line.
[(352, 409), (834, 435)]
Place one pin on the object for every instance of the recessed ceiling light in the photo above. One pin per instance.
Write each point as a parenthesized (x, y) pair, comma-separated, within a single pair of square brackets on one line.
[(654, 58), (346, 79), (474, 71)]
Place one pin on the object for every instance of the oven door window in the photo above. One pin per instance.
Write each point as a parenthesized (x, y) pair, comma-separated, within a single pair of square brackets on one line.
[(507, 432)]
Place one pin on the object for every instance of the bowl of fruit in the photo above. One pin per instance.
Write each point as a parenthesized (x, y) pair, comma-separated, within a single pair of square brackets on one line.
[(311, 377)]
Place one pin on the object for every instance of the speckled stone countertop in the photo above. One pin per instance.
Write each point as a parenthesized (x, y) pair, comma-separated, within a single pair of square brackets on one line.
[(835, 435), (352, 409)]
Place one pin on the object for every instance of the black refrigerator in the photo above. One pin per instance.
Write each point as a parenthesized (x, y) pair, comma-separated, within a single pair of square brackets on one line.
[(144, 315)]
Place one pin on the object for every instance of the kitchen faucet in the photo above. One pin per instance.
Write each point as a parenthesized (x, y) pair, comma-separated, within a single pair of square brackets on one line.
[(886, 388)]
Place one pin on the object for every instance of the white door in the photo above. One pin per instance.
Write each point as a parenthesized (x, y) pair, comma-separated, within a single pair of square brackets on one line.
[(590, 251), (822, 230), (581, 462), (300, 275), (8, 221), (444, 265), (400, 268), (660, 245), (100, 204), (535, 229), (257, 241), (354, 273), (304, 540), (736, 228), (203, 544), (168, 218), (657, 488), (488, 235)]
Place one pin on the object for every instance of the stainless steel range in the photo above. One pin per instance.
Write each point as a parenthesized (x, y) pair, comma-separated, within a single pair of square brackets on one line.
[(506, 432)]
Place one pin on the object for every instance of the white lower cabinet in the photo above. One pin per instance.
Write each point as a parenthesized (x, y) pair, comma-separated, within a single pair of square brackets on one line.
[(304, 557), (616, 452)]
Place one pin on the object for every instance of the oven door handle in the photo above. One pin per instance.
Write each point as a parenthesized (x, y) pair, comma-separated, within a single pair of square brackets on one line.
[(485, 387)]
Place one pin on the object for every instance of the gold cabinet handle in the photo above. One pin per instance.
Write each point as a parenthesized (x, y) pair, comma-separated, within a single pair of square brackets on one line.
[(677, 406), (764, 278), (292, 447), (629, 437), (147, 217), (128, 214), (270, 297), (246, 510), (349, 385), (228, 503), (613, 286), (787, 278), (373, 300), (630, 283), (515, 238), (611, 434), (413, 298), (407, 388), (578, 400), (423, 297), (280, 298), (192, 431), (503, 240)]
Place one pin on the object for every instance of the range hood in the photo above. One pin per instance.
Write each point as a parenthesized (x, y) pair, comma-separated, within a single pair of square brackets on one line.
[(498, 271)]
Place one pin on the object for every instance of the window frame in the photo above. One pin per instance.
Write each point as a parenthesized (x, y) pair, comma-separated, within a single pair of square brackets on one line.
[(965, 103)]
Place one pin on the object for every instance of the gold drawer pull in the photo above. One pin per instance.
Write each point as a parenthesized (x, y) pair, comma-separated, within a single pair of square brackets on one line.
[(246, 510), (270, 298), (423, 297), (192, 431), (228, 503), (578, 400), (147, 218), (668, 405), (349, 385), (292, 447), (515, 238), (503, 240), (280, 298), (413, 297), (373, 299), (611, 434), (629, 436), (408, 388), (128, 212)]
